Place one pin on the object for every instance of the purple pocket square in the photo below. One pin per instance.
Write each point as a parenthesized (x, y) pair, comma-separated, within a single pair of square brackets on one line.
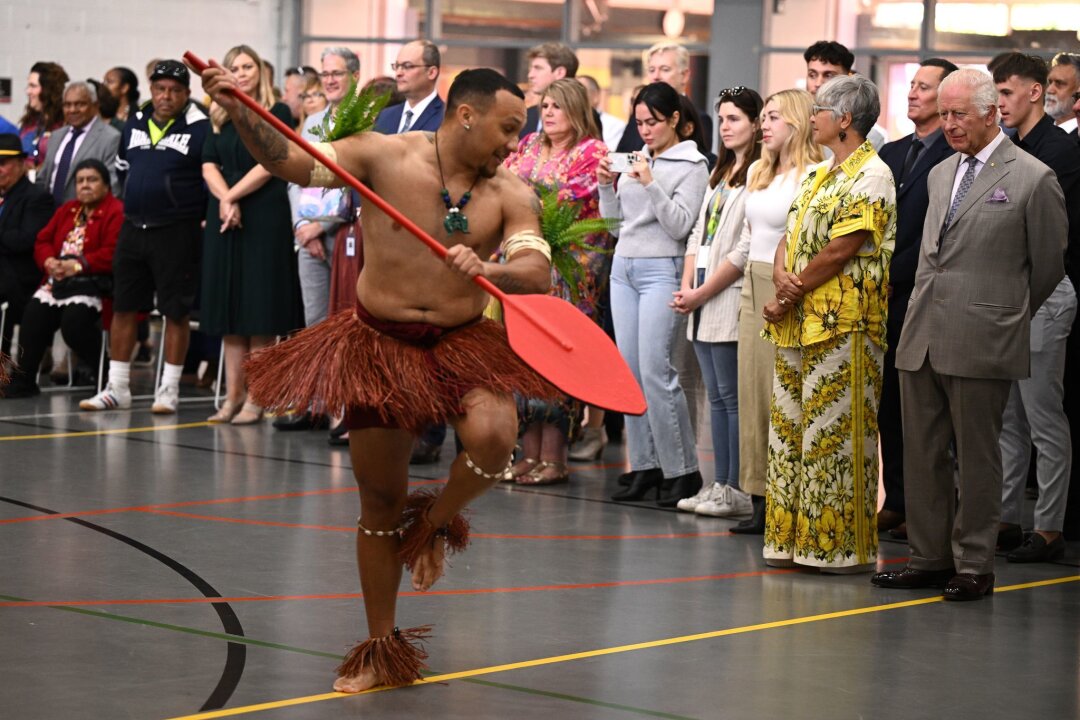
[(998, 196)]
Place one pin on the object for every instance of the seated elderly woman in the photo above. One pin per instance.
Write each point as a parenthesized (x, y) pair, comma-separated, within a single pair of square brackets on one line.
[(75, 250), (831, 273)]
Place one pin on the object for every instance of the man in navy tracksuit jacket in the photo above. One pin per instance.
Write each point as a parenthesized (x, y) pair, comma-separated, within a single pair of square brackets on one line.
[(160, 164)]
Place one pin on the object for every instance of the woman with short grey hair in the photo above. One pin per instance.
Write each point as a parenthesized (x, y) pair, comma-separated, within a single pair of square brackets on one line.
[(831, 273)]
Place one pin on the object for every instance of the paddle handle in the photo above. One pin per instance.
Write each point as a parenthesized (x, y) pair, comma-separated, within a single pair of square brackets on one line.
[(436, 247)]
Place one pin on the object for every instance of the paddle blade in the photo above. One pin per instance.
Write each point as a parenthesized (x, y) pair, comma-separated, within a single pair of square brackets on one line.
[(571, 351)]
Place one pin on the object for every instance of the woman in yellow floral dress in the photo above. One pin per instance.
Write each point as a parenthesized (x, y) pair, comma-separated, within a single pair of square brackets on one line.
[(828, 322)]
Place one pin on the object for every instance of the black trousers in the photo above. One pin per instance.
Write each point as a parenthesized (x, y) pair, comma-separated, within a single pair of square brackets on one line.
[(77, 323), (890, 426)]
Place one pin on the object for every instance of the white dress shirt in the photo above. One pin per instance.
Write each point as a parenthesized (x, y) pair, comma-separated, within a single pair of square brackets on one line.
[(417, 110), (981, 157)]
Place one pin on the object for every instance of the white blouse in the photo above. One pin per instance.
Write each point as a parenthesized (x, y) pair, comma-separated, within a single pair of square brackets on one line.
[(766, 214)]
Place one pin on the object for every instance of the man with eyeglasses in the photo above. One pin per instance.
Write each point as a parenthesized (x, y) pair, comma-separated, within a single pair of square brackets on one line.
[(83, 136), (317, 214), (296, 79), (416, 73)]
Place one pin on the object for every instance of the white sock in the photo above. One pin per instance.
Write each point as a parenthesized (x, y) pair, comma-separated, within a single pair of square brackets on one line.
[(120, 375), (171, 376)]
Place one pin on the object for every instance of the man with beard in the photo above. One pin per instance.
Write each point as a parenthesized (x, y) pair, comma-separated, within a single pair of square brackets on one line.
[(1062, 83)]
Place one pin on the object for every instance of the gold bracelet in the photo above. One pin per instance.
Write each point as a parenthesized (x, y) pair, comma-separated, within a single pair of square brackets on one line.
[(321, 176)]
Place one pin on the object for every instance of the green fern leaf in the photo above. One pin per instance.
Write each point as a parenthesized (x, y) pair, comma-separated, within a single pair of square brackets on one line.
[(355, 114), (568, 236)]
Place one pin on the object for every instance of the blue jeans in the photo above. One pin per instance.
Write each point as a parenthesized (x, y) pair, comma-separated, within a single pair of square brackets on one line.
[(645, 331), (719, 363)]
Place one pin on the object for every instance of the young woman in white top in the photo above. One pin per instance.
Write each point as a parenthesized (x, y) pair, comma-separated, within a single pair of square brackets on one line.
[(710, 296), (787, 153)]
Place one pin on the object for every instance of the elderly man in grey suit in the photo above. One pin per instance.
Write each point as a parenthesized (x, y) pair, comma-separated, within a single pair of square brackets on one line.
[(992, 251), (84, 135)]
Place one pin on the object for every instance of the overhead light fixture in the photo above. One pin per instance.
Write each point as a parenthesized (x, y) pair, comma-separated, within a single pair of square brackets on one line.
[(674, 23)]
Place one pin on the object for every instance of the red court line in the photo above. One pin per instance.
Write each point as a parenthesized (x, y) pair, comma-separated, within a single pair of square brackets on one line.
[(412, 593), (485, 536), (195, 503)]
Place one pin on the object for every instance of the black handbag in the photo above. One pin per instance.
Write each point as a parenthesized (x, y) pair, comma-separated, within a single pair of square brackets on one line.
[(92, 285)]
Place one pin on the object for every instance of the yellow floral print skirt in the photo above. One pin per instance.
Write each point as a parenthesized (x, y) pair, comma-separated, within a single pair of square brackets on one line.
[(821, 487)]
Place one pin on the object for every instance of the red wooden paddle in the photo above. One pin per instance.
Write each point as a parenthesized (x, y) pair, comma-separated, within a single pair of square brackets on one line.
[(552, 336)]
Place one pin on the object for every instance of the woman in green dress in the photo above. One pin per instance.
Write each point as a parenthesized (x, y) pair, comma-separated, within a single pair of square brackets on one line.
[(250, 288), (831, 273)]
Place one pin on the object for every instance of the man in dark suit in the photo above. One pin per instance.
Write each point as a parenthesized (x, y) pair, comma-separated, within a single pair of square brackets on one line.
[(911, 158), (417, 73), (993, 249), (24, 211), (83, 136)]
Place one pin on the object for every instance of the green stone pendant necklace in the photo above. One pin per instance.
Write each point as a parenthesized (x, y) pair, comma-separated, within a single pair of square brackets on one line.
[(455, 220)]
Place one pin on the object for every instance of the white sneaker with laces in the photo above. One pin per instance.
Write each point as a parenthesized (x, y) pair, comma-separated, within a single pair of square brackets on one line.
[(705, 494), (108, 399), (165, 400), (718, 500)]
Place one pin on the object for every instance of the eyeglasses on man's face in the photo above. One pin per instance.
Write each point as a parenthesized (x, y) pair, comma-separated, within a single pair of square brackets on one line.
[(333, 74), (406, 66)]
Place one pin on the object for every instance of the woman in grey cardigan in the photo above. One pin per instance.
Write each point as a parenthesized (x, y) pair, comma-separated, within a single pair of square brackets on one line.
[(657, 203), (712, 281)]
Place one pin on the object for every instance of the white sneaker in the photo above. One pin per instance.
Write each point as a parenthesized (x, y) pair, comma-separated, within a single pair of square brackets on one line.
[(108, 399), (705, 494), (165, 400), (733, 502)]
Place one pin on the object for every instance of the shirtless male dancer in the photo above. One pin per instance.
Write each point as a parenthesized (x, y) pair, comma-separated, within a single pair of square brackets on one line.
[(403, 285)]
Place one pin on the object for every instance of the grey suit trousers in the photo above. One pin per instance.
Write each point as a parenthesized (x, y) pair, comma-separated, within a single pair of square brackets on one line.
[(936, 409), (1035, 414), (315, 282)]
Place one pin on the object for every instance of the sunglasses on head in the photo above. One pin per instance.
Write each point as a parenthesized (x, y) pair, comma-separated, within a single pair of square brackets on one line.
[(731, 92)]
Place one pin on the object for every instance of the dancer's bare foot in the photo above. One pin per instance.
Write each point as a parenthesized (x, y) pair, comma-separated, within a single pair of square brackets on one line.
[(429, 566), (366, 680)]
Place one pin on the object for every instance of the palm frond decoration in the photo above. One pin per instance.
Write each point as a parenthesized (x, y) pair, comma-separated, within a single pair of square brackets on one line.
[(355, 114), (568, 236)]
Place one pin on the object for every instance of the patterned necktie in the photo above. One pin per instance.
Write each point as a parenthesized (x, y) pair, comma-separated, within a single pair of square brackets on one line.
[(62, 167), (408, 121), (965, 185)]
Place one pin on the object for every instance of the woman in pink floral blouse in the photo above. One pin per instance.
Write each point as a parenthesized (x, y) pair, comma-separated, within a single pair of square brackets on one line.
[(563, 156)]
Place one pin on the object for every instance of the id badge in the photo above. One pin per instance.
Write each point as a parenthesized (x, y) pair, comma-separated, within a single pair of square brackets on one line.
[(350, 243)]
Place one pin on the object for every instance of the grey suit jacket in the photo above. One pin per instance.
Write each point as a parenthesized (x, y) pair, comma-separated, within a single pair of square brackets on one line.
[(976, 291), (101, 142)]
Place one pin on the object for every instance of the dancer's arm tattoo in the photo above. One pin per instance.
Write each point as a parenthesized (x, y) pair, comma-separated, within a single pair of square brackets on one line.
[(268, 145)]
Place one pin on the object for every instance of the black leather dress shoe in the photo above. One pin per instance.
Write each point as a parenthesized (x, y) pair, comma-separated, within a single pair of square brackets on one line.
[(756, 524), (888, 519), (1036, 549), (292, 422), (911, 579), (1009, 538), (968, 586), (672, 490)]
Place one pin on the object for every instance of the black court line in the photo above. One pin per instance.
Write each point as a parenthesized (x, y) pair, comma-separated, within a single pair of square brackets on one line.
[(236, 653)]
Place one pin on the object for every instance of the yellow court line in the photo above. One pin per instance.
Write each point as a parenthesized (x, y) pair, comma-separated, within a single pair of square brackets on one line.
[(118, 431), (229, 712)]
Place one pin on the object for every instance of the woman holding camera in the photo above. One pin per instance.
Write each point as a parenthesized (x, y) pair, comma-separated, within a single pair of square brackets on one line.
[(657, 202)]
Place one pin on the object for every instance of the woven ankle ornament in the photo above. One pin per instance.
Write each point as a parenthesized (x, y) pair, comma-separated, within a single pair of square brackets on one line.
[(419, 535), (503, 474), (396, 659)]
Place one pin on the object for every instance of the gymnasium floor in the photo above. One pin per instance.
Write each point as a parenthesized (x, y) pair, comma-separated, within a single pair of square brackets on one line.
[(155, 567)]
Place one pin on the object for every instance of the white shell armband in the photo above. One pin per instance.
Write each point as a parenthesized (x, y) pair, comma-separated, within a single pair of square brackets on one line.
[(321, 176)]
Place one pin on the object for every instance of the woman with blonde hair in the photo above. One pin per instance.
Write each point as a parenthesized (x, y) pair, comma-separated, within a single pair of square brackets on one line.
[(250, 288), (787, 152), (564, 157)]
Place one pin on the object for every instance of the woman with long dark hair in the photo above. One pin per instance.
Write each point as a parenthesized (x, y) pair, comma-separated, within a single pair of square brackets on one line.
[(123, 84), (44, 108), (657, 201)]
